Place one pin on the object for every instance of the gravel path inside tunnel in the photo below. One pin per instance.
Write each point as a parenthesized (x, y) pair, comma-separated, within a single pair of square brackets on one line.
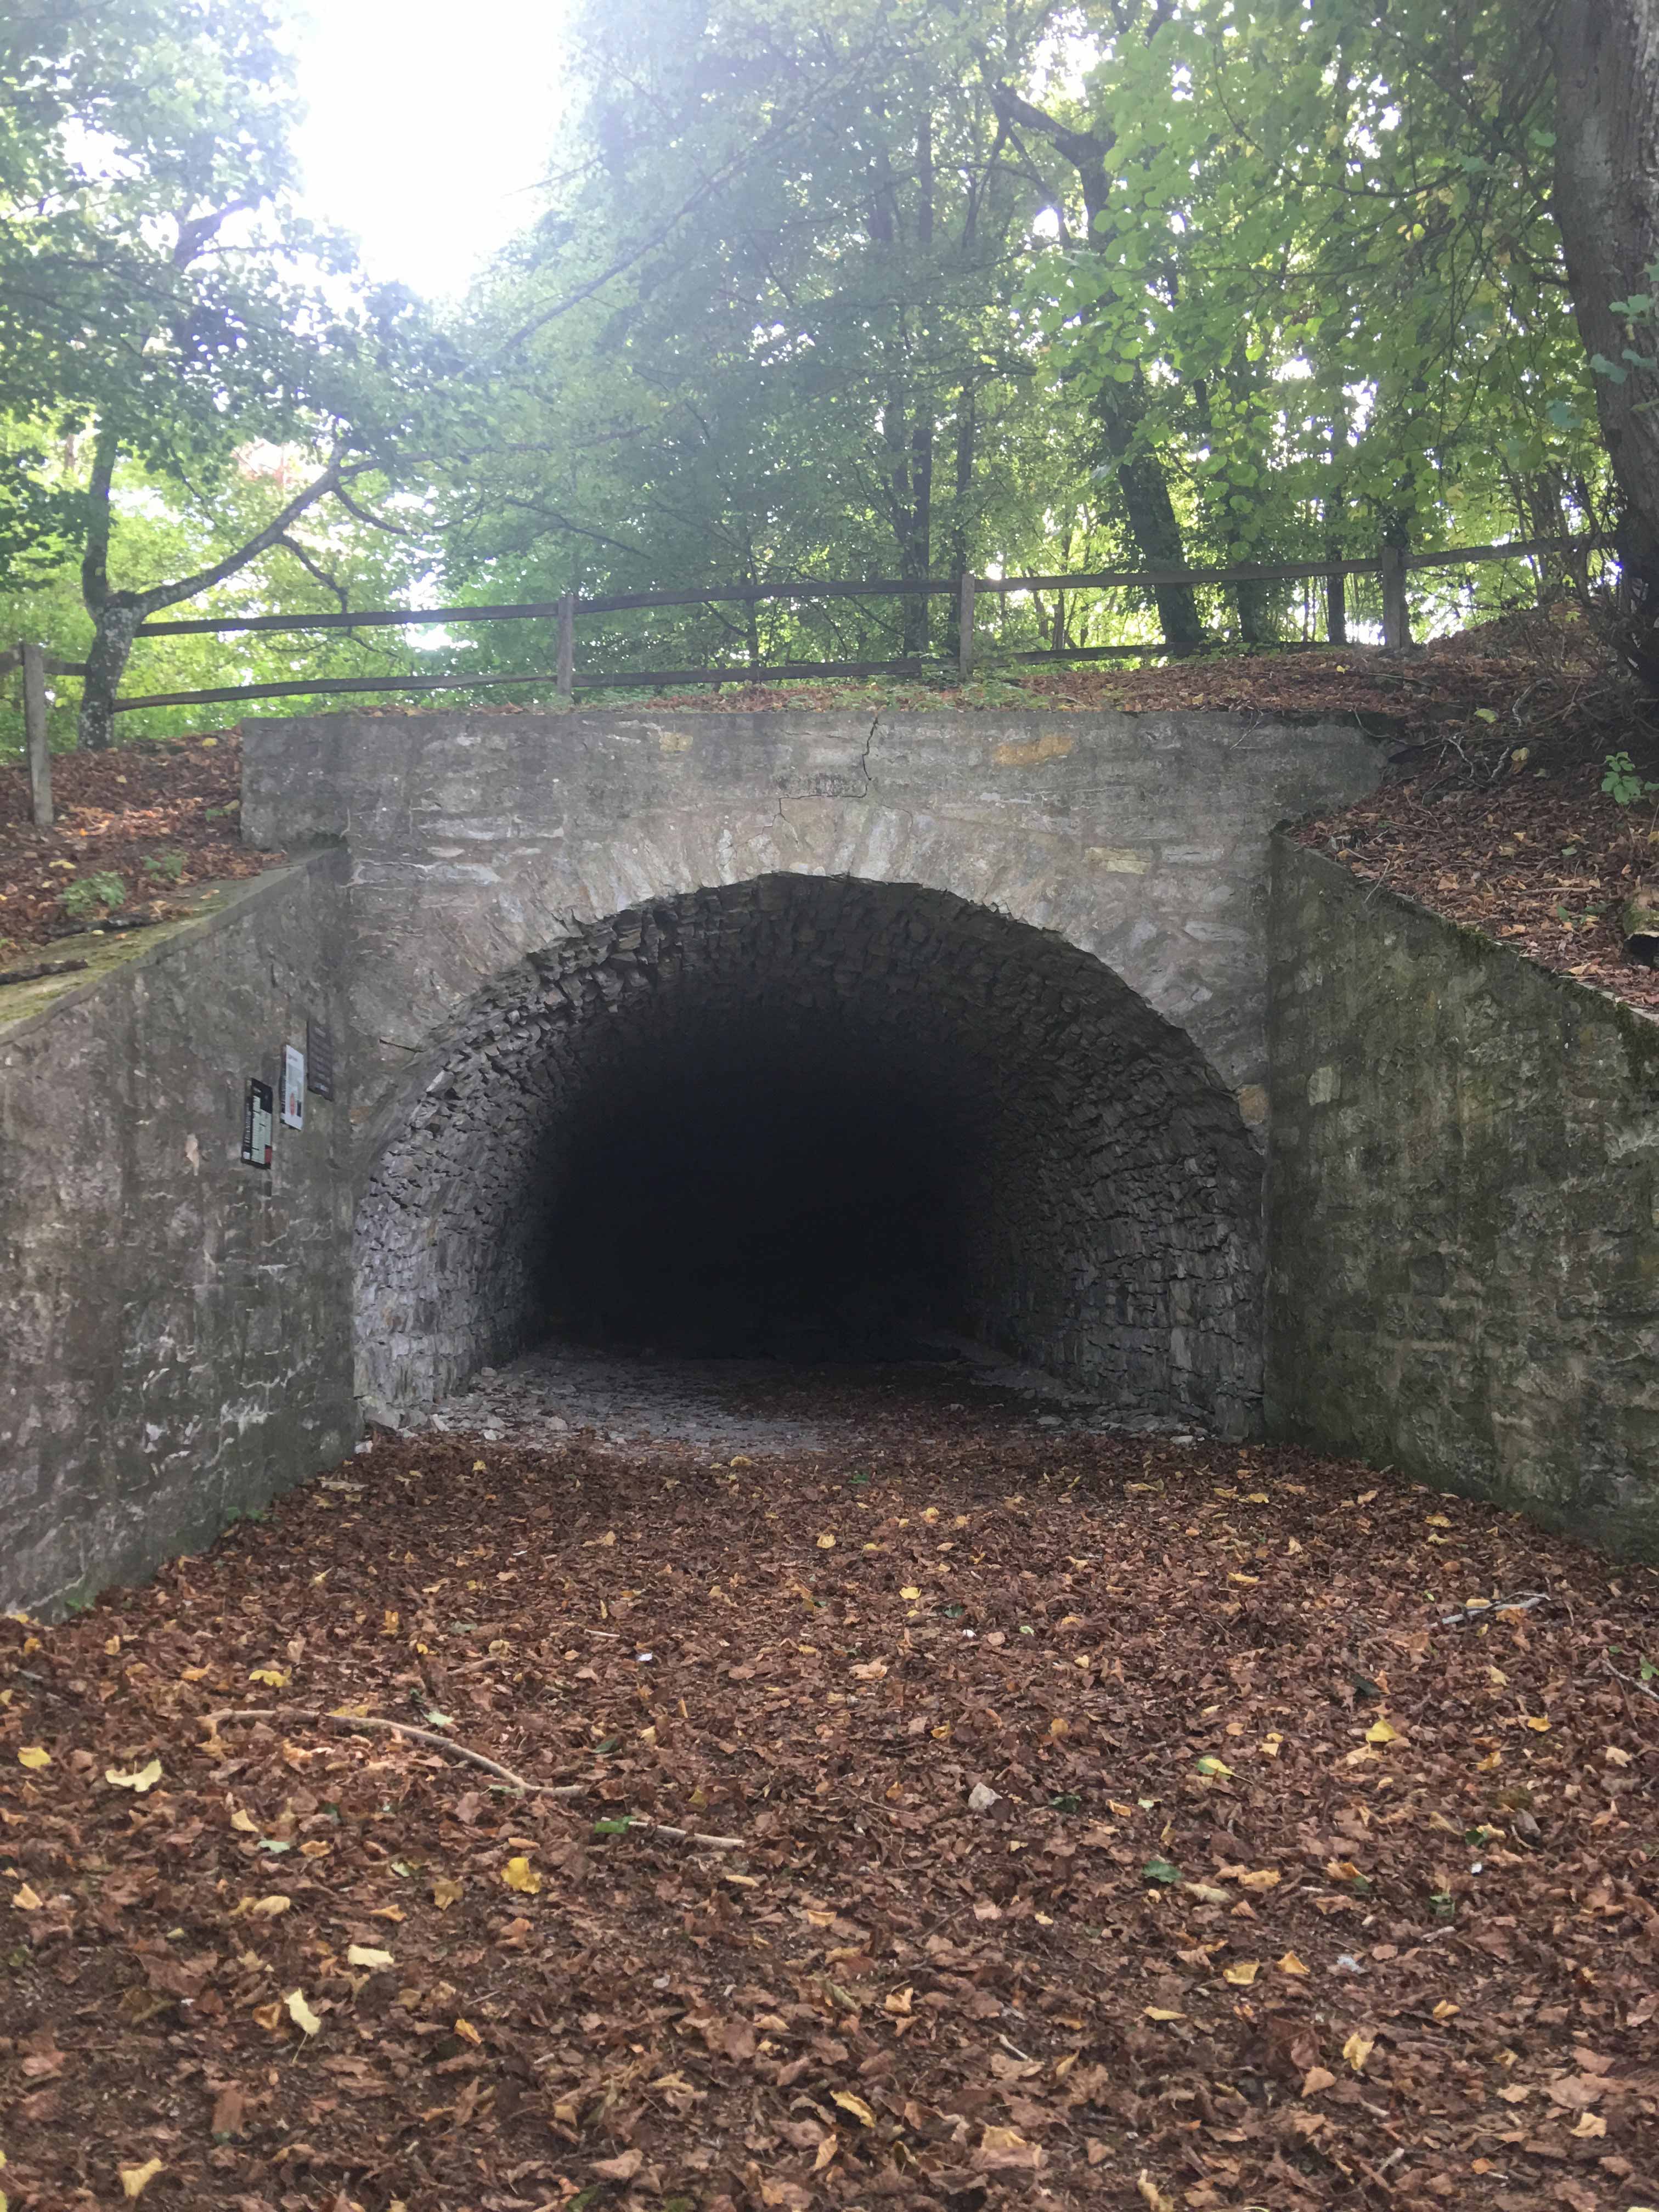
[(547, 1396), (1117, 1821)]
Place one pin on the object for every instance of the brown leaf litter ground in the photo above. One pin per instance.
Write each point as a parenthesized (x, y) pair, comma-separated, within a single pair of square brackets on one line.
[(1316, 1873), (159, 817)]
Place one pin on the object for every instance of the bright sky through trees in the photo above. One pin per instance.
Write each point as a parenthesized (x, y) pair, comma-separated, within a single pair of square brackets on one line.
[(427, 126)]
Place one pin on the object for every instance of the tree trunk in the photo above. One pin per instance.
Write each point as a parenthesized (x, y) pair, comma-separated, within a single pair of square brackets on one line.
[(1153, 522), (966, 427), (111, 644), (1607, 203)]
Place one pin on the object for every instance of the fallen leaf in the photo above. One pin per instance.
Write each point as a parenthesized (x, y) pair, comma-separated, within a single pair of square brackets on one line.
[(273, 1677), (1358, 2049), (1379, 1732), (622, 2167), (468, 2033), (1259, 1878), (1290, 1964), (1590, 2124), (26, 1899), (519, 1874), (1006, 2147), (445, 1892), (33, 1758), (136, 2179), (826, 1543), (1154, 2198), (361, 1955), (267, 1908), (1614, 1757), (141, 1779), (229, 2108), (1316, 2079), (855, 2105), (301, 2013), (1242, 1975)]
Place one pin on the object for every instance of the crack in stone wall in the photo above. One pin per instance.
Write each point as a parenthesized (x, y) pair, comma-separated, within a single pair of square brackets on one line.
[(1106, 1193)]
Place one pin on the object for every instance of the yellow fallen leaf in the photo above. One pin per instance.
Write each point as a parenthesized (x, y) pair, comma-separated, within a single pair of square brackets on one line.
[(910, 1591), (360, 1955), (1270, 1744), (1158, 2012), (1590, 2124), (468, 2033), (1243, 1974), (141, 1778), (136, 2179), (33, 1758), (479, 1468), (445, 1892), (519, 1874), (1156, 2199), (1446, 2010), (1539, 1727), (1260, 1878), (826, 1542), (1438, 1520), (1251, 1580), (1290, 1964), (243, 1824), (272, 1677), (26, 1899), (301, 2014), (268, 1908), (1379, 1732), (269, 2016), (1316, 2079), (1614, 1756), (856, 2106), (1358, 2049)]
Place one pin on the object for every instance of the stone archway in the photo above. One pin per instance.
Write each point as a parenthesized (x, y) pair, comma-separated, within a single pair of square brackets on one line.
[(934, 1111)]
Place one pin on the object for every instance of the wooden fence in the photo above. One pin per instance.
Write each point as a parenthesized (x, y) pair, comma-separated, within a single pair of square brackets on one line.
[(1392, 565)]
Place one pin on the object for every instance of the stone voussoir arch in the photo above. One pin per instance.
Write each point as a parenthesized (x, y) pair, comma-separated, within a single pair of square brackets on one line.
[(537, 902)]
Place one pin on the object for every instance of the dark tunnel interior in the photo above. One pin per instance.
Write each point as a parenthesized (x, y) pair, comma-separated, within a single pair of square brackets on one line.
[(817, 1118), (749, 1197)]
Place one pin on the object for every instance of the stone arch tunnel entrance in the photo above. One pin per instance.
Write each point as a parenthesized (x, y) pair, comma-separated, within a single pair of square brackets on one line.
[(812, 1117)]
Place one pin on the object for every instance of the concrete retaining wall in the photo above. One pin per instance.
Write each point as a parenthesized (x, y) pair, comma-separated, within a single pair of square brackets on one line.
[(176, 1346), (1463, 1254)]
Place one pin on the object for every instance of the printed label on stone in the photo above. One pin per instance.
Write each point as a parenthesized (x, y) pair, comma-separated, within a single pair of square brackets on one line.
[(293, 1087), (320, 1058), (259, 1111)]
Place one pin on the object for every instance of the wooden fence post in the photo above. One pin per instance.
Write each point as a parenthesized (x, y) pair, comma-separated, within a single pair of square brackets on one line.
[(1396, 612), (34, 659), (965, 627), (567, 677)]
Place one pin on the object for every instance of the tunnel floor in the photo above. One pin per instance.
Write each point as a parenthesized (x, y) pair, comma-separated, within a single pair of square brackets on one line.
[(563, 1393)]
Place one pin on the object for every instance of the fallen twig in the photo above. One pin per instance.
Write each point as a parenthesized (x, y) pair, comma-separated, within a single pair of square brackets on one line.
[(1466, 1613), (1630, 1681), (408, 1728), (353, 1721)]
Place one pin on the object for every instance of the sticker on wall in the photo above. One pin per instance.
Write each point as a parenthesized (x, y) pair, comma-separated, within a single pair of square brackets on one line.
[(293, 1087), (258, 1112), (320, 1058)]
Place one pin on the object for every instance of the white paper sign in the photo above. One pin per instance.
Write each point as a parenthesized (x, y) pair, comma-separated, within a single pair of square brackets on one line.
[(293, 1087)]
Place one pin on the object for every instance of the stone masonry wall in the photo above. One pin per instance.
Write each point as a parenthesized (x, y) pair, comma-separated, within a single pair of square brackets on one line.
[(1463, 1255), (477, 840), (175, 1346), (1109, 1187)]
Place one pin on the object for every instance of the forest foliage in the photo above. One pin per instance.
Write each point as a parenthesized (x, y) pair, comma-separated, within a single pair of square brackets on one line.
[(890, 289)]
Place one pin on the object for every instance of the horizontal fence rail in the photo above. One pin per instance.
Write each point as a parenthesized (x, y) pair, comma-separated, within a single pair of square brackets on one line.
[(1392, 564)]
